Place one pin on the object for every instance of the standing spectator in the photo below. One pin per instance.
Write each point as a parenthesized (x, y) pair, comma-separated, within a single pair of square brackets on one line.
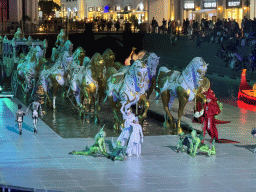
[(164, 25), (109, 26), (153, 24), (169, 26), (199, 39), (117, 25), (103, 22)]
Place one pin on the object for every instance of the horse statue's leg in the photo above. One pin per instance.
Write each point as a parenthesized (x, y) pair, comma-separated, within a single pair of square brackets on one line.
[(183, 100), (44, 84), (144, 102), (167, 100), (150, 90), (115, 107)]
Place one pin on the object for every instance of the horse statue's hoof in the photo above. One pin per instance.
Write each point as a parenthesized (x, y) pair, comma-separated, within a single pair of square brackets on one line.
[(166, 124)]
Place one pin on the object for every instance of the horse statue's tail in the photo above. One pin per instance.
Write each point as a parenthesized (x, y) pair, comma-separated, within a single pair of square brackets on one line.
[(110, 71), (161, 79)]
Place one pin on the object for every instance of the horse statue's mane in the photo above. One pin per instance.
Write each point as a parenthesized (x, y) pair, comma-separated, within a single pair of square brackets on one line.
[(93, 64), (77, 53)]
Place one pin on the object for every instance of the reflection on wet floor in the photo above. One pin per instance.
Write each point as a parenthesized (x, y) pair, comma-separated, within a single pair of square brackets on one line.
[(65, 120), (67, 123)]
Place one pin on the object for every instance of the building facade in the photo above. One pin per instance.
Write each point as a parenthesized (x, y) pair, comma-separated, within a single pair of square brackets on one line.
[(18, 9)]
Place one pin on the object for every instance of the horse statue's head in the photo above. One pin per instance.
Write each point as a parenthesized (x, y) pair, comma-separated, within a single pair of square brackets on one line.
[(140, 73), (152, 62), (109, 58), (97, 66), (39, 52), (86, 61), (68, 46), (79, 55), (195, 71)]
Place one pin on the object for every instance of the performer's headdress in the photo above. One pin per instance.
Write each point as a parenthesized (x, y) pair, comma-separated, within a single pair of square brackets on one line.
[(136, 119), (19, 106), (210, 94), (129, 110), (253, 131), (101, 133)]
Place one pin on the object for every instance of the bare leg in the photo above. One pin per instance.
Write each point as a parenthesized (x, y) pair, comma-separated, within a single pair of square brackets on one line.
[(20, 127), (35, 124)]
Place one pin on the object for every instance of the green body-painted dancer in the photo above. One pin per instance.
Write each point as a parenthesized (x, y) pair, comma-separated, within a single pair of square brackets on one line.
[(119, 151), (98, 147), (194, 143)]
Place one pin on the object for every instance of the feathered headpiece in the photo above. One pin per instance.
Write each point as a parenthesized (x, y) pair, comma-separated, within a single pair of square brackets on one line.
[(101, 133), (210, 94)]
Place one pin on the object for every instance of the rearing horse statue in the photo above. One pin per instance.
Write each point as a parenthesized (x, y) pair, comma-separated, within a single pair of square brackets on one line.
[(87, 82), (56, 74), (126, 88), (28, 68), (184, 85)]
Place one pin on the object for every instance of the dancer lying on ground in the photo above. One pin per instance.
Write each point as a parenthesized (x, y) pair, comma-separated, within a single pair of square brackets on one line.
[(98, 147), (194, 143), (118, 153)]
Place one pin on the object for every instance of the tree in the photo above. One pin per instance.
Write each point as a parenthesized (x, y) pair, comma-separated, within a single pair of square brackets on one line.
[(47, 7)]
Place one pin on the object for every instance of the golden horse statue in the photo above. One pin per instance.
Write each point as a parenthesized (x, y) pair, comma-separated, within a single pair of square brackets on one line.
[(87, 83), (28, 67), (183, 85)]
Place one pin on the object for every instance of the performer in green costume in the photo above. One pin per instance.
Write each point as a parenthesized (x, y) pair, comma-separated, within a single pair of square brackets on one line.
[(195, 144), (98, 147), (119, 151)]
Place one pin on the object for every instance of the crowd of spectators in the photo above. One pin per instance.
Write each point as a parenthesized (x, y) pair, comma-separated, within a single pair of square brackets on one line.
[(230, 36)]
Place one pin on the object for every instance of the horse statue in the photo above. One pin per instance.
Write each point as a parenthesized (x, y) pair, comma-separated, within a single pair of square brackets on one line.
[(171, 84), (126, 88), (61, 39), (152, 62), (85, 84), (28, 67), (56, 74)]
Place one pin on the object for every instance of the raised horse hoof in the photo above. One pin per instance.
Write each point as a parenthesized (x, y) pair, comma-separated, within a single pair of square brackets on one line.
[(167, 124)]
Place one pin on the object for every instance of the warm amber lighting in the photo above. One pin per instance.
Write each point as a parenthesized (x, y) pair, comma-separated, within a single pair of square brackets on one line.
[(245, 8)]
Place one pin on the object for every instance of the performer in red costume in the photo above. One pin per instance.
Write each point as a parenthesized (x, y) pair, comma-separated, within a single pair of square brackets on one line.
[(210, 110)]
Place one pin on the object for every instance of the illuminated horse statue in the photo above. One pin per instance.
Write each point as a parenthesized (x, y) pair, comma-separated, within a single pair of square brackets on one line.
[(126, 88), (152, 61), (56, 74), (86, 82), (172, 84), (28, 68)]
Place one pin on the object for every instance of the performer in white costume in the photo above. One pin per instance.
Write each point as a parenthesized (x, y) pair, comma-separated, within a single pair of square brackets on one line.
[(36, 108), (128, 121), (136, 138)]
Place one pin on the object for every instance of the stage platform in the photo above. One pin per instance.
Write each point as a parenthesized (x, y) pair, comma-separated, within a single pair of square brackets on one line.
[(42, 162)]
